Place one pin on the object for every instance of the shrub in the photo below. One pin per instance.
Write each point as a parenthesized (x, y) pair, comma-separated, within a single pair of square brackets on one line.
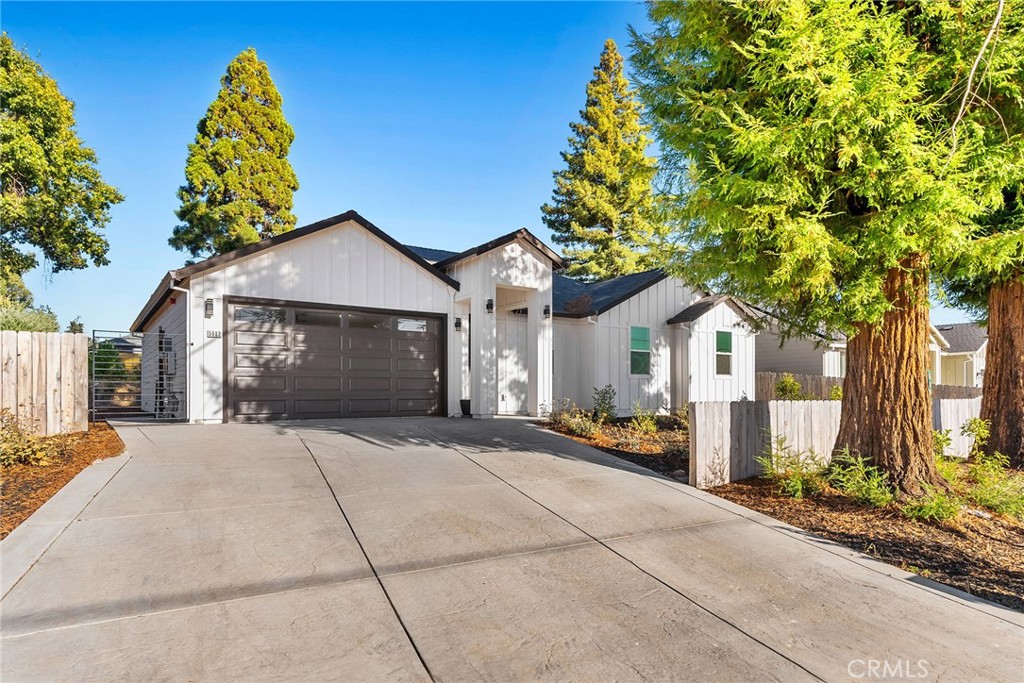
[(934, 506), (796, 473), (835, 393), (20, 446), (865, 483), (949, 468), (994, 486), (788, 389), (569, 418), (604, 404), (980, 430), (15, 316), (941, 442), (643, 420)]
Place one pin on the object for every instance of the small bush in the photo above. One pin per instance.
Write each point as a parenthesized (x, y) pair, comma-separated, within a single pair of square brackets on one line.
[(949, 468), (788, 389), (856, 478), (994, 487), (569, 418), (20, 446), (835, 393), (604, 404), (797, 474), (643, 420), (941, 442), (980, 430), (934, 506)]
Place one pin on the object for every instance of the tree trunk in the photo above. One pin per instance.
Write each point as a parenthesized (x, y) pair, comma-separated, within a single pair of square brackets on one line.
[(887, 407), (1002, 402)]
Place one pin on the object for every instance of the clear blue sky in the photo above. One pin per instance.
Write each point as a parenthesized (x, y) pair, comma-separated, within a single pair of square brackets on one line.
[(439, 122)]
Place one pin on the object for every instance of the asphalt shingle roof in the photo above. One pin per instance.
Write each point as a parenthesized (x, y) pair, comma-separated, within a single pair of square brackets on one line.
[(573, 297), (963, 337), (429, 254)]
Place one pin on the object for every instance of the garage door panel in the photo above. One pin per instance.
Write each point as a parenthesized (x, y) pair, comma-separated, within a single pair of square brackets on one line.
[(317, 383), (293, 362)]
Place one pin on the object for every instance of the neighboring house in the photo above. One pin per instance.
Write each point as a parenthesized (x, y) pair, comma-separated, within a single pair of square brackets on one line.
[(963, 362), (338, 319)]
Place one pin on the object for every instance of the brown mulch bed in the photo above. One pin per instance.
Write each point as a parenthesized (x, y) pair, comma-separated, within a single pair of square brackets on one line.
[(984, 557), (24, 488), (664, 452)]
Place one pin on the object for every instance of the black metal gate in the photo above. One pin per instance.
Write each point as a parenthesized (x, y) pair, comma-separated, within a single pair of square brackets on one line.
[(138, 375)]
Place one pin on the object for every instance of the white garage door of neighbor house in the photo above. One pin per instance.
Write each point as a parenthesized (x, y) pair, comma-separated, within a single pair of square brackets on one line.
[(288, 362)]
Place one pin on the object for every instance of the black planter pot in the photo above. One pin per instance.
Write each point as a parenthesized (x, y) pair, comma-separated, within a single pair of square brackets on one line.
[(464, 403)]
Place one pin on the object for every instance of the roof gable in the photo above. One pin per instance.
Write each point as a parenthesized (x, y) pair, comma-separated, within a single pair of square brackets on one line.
[(703, 306), (522, 235), (963, 337)]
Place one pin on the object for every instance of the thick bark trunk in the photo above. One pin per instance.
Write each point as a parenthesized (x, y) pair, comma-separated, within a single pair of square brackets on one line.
[(1002, 402), (887, 407)]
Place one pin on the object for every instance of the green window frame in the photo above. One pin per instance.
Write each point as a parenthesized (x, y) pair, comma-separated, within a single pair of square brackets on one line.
[(639, 350), (723, 352)]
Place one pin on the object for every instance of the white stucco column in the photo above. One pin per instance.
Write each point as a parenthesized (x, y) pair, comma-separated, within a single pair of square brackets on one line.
[(483, 356), (539, 350)]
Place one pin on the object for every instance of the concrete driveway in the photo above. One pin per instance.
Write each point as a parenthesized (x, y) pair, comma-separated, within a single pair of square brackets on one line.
[(458, 550)]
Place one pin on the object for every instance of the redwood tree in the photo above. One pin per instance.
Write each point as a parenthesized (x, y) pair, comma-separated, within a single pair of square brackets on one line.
[(818, 179)]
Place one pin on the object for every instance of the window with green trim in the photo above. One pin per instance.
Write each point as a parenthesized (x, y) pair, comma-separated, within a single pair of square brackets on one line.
[(723, 353), (639, 350)]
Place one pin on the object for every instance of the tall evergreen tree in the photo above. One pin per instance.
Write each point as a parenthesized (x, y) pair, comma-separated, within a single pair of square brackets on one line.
[(239, 184), (824, 185), (603, 208), (52, 197)]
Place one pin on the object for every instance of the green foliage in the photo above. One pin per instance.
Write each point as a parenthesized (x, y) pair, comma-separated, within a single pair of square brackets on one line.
[(995, 486), (574, 420), (941, 441), (949, 469), (835, 393), (934, 506), (20, 446), (797, 474), (603, 210), (16, 316), (52, 198), (789, 389), (644, 421), (239, 184), (810, 149), (604, 404), (979, 430), (856, 478), (106, 363), (76, 326)]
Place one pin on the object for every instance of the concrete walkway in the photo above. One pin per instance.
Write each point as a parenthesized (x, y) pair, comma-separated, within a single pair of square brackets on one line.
[(455, 550)]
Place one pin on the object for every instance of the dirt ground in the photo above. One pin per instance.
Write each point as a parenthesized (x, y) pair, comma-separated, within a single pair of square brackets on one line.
[(24, 488), (665, 451), (984, 557)]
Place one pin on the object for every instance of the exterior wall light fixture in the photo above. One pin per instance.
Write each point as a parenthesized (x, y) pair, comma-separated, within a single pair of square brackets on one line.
[(490, 306)]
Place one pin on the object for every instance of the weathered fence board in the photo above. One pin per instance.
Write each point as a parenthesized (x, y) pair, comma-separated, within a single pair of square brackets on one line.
[(953, 391), (45, 380), (726, 438)]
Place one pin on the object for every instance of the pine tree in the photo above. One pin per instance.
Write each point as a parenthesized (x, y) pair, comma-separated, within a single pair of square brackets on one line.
[(53, 198), (239, 184), (603, 208), (823, 183)]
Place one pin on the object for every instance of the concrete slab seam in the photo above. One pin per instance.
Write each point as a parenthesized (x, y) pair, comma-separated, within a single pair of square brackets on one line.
[(68, 524), (638, 567), (373, 569)]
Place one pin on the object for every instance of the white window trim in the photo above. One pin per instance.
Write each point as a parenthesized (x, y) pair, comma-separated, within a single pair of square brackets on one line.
[(731, 354), (630, 351)]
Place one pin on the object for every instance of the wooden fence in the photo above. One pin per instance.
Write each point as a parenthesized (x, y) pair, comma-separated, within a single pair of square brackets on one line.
[(953, 391), (45, 380), (726, 438), (817, 386)]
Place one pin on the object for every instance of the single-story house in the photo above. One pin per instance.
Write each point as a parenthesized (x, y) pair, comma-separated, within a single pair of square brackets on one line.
[(339, 319), (963, 362)]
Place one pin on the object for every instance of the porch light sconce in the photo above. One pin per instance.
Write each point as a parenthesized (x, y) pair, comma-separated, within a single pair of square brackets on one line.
[(547, 311), (490, 305), (208, 308), (458, 324)]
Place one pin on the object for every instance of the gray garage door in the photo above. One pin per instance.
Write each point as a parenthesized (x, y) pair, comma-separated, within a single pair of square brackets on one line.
[(292, 362)]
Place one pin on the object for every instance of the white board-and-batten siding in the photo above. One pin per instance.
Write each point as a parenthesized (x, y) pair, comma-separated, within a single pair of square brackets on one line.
[(344, 265), (172, 320), (705, 384), (590, 355)]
